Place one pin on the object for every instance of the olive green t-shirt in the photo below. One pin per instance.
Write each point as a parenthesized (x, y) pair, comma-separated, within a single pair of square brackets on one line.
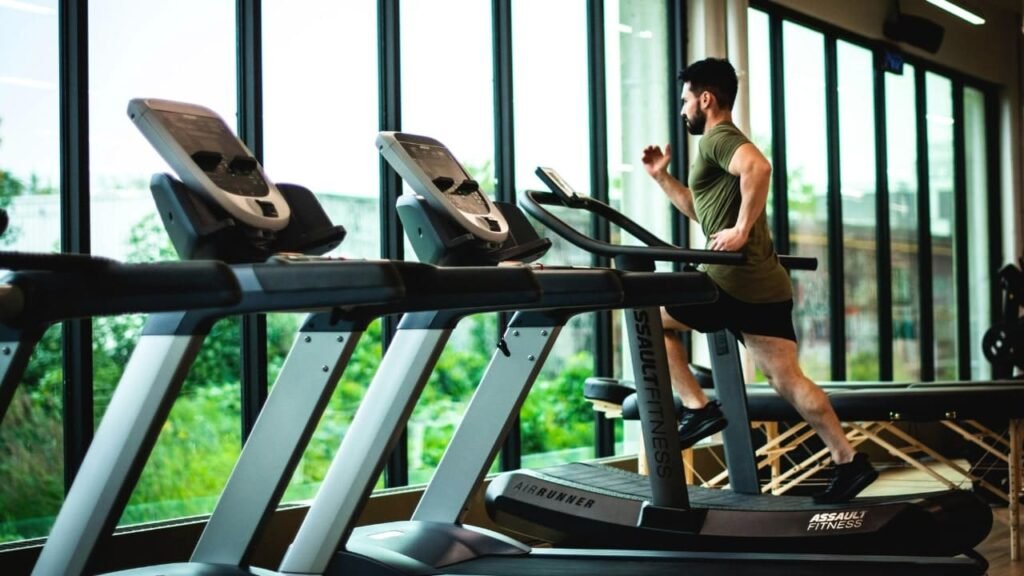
[(716, 200)]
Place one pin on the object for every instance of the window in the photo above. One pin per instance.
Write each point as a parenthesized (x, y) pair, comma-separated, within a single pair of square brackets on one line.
[(978, 268), (321, 136), (447, 94), (201, 439), (31, 451), (939, 122), (639, 82), (857, 187), (807, 186), (552, 128), (901, 131), (760, 84)]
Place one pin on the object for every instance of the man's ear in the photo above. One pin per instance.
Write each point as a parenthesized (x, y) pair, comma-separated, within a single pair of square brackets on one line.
[(706, 97)]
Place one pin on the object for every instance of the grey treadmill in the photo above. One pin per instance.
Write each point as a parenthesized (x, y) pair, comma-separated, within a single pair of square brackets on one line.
[(277, 269), (268, 458)]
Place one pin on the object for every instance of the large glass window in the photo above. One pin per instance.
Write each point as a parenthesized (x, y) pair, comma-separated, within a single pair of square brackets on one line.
[(447, 94), (638, 79), (760, 82), (549, 60), (807, 187), (639, 83), (31, 447), (942, 221), (901, 146), (321, 136), (857, 187), (978, 269), (199, 444)]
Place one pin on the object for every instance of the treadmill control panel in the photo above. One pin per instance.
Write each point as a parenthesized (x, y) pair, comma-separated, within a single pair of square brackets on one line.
[(434, 173), (209, 158), (554, 181)]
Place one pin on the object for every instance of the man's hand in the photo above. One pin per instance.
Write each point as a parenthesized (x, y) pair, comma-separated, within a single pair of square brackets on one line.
[(656, 162), (728, 239)]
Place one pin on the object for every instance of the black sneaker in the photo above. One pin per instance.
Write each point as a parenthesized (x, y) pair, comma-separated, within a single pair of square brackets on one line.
[(848, 480), (700, 423)]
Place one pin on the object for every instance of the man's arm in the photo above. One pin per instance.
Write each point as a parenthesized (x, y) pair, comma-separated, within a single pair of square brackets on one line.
[(755, 173), (656, 162)]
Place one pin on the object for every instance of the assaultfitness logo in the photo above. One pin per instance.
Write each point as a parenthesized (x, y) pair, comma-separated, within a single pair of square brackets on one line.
[(837, 520)]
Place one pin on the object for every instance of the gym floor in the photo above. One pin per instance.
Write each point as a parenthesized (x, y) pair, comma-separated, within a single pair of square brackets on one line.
[(995, 548)]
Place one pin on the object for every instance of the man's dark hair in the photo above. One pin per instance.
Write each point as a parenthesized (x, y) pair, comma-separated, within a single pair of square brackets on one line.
[(715, 75)]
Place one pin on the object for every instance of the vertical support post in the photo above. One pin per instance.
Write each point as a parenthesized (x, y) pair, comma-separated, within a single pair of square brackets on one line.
[(73, 23), (731, 392), (836, 263), (926, 294), (392, 241), (255, 383), (656, 407), (504, 166), (961, 271), (883, 234), (780, 173)]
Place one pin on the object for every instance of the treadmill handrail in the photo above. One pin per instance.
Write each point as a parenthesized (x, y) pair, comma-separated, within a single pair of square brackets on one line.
[(57, 289), (52, 262), (534, 201), (656, 249)]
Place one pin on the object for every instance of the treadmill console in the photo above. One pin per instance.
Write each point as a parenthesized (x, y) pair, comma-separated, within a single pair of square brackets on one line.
[(554, 181), (209, 158), (434, 173)]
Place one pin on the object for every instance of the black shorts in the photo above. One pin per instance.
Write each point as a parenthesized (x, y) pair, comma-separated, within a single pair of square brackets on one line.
[(762, 319)]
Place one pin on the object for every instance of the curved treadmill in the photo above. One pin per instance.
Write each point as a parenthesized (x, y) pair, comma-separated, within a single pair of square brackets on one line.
[(547, 503)]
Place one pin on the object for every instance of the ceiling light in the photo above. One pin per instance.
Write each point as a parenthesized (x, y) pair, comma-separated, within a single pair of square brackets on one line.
[(958, 11)]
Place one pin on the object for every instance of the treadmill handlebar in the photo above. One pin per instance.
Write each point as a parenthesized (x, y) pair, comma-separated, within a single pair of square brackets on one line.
[(656, 249), (798, 262), (14, 260), (106, 287)]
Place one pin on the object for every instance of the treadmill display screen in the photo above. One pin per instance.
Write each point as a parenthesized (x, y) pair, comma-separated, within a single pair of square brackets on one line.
[(218, 153), (438, 163)]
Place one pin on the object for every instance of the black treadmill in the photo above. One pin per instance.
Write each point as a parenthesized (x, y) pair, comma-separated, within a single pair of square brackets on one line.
[(531, 501), (434, 541)]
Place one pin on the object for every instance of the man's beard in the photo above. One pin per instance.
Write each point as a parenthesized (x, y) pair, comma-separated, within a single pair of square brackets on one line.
[(697, 124)]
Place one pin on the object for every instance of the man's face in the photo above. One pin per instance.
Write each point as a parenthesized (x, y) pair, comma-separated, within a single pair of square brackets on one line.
[(694, 118)]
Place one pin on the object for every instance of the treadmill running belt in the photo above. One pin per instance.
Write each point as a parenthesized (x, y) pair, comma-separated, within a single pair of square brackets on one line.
[(613, 481)]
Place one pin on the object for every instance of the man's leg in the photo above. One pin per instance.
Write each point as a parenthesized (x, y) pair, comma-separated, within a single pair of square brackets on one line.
[(701, 418), (777, 357), (683, 381)]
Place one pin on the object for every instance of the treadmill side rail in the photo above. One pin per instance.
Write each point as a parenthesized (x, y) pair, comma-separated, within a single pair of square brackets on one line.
[(387, 404), (130, 426), (296, 402), (487, 419)]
